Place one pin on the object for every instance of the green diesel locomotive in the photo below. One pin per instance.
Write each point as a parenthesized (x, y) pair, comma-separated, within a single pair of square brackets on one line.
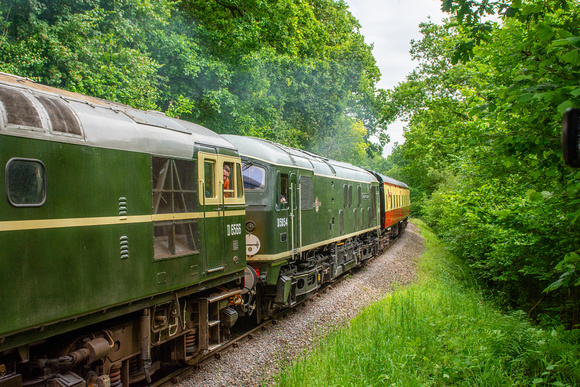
[(308, 220), (121, 240)]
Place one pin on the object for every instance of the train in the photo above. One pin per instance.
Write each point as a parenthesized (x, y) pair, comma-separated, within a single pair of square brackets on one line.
[(130, 239)]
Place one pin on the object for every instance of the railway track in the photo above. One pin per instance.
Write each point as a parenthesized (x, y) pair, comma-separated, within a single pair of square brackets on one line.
[(258, 360), (180, 373), (176, 376)]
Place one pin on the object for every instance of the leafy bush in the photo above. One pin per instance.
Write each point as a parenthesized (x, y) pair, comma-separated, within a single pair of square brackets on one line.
[(440, 332), (485, 109)]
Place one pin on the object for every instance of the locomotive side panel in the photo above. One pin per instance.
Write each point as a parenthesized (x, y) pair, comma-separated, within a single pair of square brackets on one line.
[(70, 246), (335, 209)]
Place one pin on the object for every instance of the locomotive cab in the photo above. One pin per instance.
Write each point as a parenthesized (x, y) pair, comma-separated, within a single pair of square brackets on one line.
[(271, 221)]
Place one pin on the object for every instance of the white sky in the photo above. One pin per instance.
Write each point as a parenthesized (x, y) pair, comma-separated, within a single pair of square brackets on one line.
[(390, 25)]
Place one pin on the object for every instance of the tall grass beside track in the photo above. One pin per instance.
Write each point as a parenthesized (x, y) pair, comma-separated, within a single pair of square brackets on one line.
[(440, 331)]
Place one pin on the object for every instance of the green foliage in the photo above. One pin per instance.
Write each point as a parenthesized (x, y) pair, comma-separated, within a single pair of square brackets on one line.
[(348, 143), (569, 272), (483, 148), (303, 74), (90, 47), (440, 331), (291, 71)]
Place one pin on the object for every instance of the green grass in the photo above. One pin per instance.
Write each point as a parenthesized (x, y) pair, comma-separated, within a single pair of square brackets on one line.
[(440, 331)]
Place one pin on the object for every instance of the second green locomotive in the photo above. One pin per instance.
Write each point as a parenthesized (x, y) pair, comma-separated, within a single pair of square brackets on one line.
[(308, 220)]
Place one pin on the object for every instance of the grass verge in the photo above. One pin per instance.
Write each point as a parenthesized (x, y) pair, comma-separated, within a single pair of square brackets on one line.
[(440, 331)]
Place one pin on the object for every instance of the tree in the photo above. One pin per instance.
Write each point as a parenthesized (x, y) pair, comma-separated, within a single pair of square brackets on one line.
[(483, 145), (92, 47), (301, 75), (289, 75)]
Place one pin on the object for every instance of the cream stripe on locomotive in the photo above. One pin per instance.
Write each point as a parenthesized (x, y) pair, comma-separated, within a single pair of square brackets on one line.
[(285, 254), (39, 224)]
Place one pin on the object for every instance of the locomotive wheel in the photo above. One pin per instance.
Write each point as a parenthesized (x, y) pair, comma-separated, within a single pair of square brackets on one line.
[(196, 359)]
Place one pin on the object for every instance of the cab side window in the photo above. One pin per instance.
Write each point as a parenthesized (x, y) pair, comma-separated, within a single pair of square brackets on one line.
[(229, 177), (208, 178), (232, 181), (283, 187)]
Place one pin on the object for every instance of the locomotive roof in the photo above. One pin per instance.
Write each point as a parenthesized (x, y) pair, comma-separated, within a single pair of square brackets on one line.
[(392, 181), (278, 154), (29, 109)]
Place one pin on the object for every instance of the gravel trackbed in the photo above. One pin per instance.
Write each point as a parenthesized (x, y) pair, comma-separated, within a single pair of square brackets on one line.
[(255, 362)]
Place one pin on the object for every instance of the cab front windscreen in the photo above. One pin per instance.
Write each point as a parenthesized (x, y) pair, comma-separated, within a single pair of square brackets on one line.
[(254, 177)]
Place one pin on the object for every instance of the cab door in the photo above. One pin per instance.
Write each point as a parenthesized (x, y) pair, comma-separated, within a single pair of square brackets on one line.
[(222, 200), (294, 214), (287, 205), (209, 200), (232, 212)]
